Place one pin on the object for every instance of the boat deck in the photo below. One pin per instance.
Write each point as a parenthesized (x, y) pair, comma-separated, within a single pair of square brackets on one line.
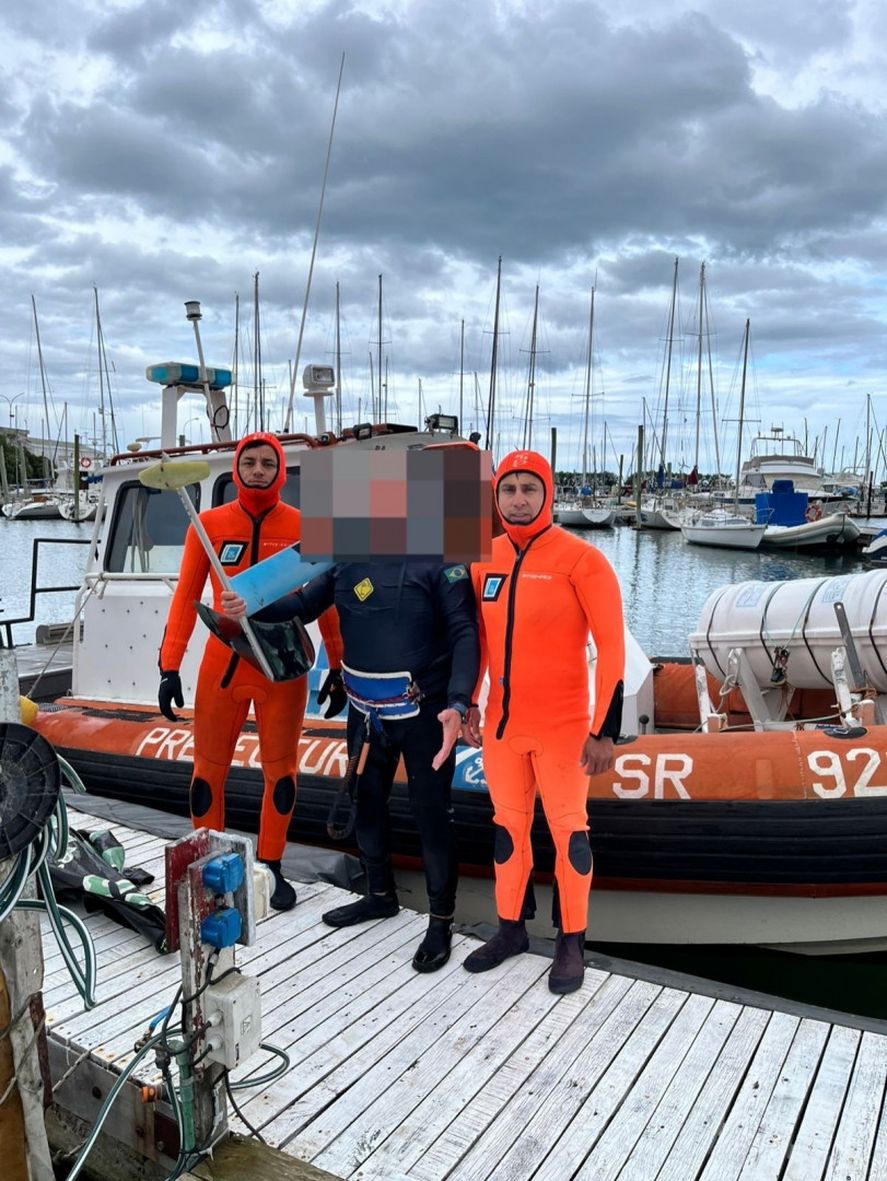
[(44, 670), (398, 1075)]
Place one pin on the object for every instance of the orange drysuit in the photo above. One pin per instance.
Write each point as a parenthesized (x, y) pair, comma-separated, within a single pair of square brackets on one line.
[(254, 526), (539, 596)]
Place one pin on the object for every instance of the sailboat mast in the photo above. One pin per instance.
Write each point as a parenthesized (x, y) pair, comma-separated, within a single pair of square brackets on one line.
[(326, 170), (741, 411), (491, 401), (257, 358), (379, 369), (461, 375), (338, 362), (103, 370), (699, 365), (234, 365), (587, 391), (531, 378), (669, 349), (98, 342), (40, 362), (711, 390)]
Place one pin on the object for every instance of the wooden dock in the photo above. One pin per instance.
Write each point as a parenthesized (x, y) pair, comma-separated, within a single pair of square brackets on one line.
[(396, 1075)]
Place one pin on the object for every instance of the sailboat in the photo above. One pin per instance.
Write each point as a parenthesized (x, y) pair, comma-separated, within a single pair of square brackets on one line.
[(580, 512), (658, 511), (40, 502), (719, 527), (80, 484)]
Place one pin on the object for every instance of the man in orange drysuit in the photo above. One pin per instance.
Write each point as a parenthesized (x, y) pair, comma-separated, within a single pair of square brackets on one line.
[(539, 596), (254, 526)]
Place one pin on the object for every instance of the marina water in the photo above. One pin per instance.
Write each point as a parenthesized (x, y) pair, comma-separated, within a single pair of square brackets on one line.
[(665, 583)]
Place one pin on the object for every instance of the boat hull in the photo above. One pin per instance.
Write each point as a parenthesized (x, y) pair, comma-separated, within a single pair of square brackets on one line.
[(835, 532), (584, 518), (782, 825), (745, 537), (32, 510)]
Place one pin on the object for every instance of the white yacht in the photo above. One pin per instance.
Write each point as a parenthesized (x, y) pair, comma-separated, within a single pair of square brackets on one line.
[(778, 456)]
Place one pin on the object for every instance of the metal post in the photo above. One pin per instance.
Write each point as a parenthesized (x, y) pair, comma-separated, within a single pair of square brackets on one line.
[(76, 477), (25, 1150), (639, 477)]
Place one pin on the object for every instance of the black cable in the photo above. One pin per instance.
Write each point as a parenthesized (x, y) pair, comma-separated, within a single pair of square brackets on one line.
[(253, 1131), (188, 1000)]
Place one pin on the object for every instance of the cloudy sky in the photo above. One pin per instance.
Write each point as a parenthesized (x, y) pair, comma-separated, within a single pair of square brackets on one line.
[(164, 151)]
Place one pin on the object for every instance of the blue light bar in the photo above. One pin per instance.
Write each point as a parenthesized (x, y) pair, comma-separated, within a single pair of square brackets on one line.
[(182, 373)]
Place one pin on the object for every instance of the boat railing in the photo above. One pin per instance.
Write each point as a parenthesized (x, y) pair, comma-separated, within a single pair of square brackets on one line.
[(35, 590)]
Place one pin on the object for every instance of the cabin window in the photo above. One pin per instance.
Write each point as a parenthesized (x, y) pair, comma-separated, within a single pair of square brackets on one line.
[(225, 490), (148, 531)]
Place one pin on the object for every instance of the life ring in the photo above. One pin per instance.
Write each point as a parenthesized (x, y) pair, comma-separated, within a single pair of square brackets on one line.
[(86, 462), (814, 513)]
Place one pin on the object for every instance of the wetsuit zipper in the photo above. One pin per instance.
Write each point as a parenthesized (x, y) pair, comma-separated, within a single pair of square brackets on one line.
[(253, 558), (509, 629)]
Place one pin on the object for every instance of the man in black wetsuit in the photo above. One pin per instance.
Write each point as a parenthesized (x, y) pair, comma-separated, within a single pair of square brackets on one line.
[(411, 656)]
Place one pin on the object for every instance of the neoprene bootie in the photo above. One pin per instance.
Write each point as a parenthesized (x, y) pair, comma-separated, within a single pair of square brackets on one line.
[(434, 950), (568, 968), (511, 939), (284, 896), (372, 906)]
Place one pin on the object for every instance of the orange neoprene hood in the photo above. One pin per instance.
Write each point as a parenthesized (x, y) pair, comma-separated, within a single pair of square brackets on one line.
[(538, 465), (259, 500)]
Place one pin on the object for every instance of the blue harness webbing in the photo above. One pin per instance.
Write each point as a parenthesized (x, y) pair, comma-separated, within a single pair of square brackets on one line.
[(381, 696)]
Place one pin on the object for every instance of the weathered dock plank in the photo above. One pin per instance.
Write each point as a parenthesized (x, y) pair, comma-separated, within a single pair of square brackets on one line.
[(397, 1076)]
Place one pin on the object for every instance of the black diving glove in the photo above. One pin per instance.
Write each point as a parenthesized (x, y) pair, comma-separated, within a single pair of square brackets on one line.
[(334, 689), (170, 691)]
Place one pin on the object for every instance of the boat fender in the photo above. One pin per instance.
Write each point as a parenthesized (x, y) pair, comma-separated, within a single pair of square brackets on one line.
[(28, 710), (813, 513), (846, 732)]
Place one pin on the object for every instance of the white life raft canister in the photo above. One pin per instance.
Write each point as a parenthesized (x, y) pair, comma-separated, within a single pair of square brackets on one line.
[(798, 616)]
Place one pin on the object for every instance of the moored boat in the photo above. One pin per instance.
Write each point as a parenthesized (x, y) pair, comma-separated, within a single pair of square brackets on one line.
[(793, 522), (34, 506), (771, 834), (720, 528), (579, 515)]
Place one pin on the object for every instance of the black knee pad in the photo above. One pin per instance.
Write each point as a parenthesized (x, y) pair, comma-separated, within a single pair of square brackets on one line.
[(284, 797), (503, 845), (579, 852), (201, 797)]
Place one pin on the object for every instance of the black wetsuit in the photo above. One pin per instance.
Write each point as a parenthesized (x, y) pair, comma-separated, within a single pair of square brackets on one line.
[(418, 617)]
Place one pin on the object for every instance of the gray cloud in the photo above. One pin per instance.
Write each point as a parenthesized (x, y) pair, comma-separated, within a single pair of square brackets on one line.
[(188, 155)]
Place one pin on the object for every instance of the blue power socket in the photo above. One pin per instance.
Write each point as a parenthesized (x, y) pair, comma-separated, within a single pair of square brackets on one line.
[(224, 873), (221, 929)]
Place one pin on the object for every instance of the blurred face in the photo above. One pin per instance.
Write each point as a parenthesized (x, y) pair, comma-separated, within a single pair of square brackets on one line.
[(257, 466), (520, 496)]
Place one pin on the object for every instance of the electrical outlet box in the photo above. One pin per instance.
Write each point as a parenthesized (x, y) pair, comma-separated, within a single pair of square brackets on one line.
[(234, 1007)]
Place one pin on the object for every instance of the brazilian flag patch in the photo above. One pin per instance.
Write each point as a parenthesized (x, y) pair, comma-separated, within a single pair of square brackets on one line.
[(456, 573)]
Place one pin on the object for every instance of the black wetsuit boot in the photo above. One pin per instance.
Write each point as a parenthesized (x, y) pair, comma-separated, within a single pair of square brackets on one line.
[(283, 896), (568, 968), (511, 939), (434, 950), (372, 906)]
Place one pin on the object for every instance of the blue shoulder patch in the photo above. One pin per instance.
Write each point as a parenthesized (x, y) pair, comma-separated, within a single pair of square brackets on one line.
[(455, 573)]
